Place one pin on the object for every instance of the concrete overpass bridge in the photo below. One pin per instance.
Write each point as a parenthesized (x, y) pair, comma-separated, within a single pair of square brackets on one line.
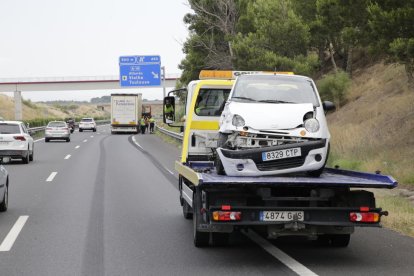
[(19, 85)]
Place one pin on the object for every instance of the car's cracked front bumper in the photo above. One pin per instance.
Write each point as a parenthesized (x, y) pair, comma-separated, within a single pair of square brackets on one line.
[(249, 162)]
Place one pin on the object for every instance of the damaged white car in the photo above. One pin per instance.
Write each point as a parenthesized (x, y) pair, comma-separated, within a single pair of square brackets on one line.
[(273, 124)]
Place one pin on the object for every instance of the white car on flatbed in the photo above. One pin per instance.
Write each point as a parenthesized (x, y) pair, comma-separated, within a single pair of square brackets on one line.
[(273, 124), (15, 141)]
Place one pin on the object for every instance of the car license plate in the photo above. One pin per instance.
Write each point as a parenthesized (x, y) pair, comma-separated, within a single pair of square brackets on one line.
[(281, 215), (281, 154)]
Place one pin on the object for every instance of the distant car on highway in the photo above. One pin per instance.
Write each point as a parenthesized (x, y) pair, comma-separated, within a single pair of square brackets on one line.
[(15, 141), (4, 188), (57, 130), (87, 124)]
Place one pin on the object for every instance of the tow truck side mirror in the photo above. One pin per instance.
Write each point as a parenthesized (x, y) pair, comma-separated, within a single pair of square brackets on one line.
[(169, 110)]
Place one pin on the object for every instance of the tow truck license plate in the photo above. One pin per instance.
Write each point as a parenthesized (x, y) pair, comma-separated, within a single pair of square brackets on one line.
[(281, 215), (281, 154)]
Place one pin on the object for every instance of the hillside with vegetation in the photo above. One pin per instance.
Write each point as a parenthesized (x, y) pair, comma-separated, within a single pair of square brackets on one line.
[(39, 113)]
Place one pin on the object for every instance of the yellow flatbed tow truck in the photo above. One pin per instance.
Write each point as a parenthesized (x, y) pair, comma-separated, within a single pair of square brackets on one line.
[(325, 208)]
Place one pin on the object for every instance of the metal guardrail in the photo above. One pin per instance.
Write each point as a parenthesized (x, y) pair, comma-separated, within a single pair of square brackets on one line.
[(178, 136), (41, 128)]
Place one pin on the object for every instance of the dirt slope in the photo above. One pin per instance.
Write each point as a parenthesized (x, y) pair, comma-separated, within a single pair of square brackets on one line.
[(375, 130)]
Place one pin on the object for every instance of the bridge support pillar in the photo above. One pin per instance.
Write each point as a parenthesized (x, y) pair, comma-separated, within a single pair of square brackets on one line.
[(18, 114)]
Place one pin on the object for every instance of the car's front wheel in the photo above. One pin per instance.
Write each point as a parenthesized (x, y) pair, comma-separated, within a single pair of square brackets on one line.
[(5, 203)]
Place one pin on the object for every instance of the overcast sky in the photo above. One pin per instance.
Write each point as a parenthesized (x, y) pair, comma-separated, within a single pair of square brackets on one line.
[(47, 38)]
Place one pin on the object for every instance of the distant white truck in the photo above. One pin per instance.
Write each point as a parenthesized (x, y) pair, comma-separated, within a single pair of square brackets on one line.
[(125, 112)]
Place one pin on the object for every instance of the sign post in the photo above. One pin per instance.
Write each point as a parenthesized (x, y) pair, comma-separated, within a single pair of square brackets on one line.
[(140, 71)]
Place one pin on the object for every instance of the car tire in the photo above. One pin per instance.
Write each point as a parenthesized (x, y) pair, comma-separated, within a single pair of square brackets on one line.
[(94, 130), (25, 159), (80, 130), (5, 203), (67, 139), (31, 156)]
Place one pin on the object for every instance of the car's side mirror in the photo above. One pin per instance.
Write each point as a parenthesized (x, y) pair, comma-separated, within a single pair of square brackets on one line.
[(328, 106), (169, 110)]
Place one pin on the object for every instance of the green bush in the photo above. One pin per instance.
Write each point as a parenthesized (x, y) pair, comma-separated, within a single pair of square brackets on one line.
[(333, 87)]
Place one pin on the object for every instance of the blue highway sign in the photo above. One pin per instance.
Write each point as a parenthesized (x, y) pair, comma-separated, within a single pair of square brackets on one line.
[(140, 71)]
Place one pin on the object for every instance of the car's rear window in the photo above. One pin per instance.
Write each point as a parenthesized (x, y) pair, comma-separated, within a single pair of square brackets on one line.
[(9, 129), (86, 120), (56, 124)]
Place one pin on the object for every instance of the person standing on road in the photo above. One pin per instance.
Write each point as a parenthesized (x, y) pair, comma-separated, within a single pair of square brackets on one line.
[(152, 124), (142, 124)]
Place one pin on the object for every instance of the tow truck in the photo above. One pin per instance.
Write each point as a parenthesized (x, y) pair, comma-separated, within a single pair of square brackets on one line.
[(325, 208)]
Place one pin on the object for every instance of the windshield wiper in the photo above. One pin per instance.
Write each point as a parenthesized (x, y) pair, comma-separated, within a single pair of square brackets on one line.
[(274, 101), (244, 98)]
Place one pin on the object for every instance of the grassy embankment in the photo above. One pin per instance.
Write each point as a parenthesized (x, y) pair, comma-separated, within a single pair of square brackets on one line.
[(374, 131)]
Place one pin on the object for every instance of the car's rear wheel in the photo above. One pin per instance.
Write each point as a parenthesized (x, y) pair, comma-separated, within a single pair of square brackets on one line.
[(5, 203), (31, 156), (80, 130), (94, 130), (25, 159), (67, 139)]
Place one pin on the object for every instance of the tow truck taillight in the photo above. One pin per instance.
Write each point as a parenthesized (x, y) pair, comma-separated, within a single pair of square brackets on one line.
[(226, 216), (20, 138), (364, 217)]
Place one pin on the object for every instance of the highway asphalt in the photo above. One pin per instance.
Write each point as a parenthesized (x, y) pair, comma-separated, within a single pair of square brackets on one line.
[(108, 205)]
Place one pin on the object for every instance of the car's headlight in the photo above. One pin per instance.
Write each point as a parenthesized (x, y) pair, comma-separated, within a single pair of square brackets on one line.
[(238, 121), (312, 125)]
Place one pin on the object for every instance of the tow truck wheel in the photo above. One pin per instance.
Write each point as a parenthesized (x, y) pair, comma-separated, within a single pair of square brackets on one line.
[(220, 239), (341, 240), (201, 239), (187, 210)]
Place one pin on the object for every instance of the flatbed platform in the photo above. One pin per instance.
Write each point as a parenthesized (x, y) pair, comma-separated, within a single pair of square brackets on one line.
[(202, 174)]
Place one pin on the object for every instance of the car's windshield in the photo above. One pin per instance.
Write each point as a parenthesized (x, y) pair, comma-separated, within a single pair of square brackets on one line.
[(56, 124), (274, 89), (87, 120), (9, 129)]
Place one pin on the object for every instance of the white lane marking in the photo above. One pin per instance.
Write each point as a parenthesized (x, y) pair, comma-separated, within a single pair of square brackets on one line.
[(51, 176), (85, 140), (135, 142), (77, 147), (39, 140), (67, 156), (294, 265), (169, 171), (9, 240), (91, 136)]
